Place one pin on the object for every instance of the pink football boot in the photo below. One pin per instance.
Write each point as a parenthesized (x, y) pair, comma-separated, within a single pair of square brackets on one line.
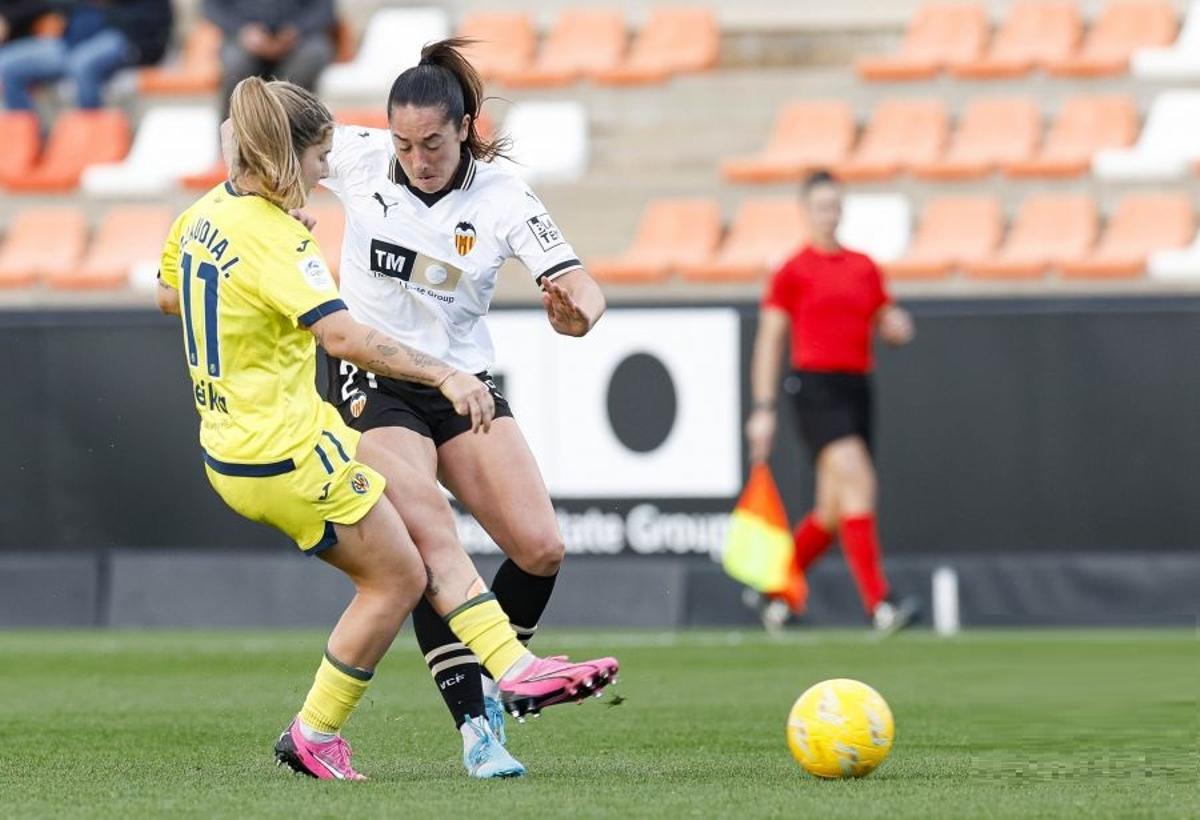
[(548, 681), (324, 761)]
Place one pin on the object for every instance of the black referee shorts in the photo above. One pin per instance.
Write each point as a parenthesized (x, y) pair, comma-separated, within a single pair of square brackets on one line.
[(830, 406), (367, 401)]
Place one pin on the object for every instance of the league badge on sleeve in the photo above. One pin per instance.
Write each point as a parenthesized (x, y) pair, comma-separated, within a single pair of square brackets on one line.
[(464, 238), (547, 233), (316, 273)]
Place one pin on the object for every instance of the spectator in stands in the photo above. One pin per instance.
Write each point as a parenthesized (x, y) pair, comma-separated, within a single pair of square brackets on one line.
[(100, 37), (832, 300), (17, 18), (290, 41)]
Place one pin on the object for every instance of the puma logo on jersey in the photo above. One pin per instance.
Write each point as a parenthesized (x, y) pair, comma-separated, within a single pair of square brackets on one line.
[(364, 133), (300, 248), (384, 203)]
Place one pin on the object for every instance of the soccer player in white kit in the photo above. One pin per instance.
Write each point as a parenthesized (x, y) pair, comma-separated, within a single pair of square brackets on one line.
[(429, 221)]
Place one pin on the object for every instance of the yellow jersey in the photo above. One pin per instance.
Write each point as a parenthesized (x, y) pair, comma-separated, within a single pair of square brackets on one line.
[(251, 279)]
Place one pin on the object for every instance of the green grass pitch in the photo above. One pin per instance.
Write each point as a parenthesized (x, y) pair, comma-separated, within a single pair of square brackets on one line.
[(990, 724)]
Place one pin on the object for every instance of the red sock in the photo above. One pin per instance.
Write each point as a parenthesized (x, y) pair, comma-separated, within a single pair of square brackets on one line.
[(811, 540), (860, 542)]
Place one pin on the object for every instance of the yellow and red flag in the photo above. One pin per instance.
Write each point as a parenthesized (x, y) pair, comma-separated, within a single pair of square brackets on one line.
[(759, 546)]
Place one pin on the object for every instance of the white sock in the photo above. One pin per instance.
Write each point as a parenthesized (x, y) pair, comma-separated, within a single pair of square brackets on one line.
[(313, 736), (491, 689), (471, 730), (519, 666)]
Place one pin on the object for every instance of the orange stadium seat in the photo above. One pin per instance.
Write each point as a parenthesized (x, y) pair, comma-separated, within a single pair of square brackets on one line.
[(1035, 34), (763, 233), (331, 225), (19, 136), (675, 40), (672, 234), (79, 139), (902, 134), (198, 70), (1050, 230), (128, 236), (583, 43), (809, 134), (42, 242), (941, 35), (504, 42), (1085, 125), (955, 231), (1122, 28), (1142, 223), (993, 132), (373, 117)]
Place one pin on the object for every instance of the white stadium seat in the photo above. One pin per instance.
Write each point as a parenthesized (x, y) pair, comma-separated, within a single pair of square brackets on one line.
[(392, 42), (1167, 146), (1176, 263), (550, 140), (878, 225), (171, 142), (1179, 61)]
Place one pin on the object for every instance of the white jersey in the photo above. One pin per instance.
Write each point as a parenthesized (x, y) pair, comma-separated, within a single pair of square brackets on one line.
[(423, 268)]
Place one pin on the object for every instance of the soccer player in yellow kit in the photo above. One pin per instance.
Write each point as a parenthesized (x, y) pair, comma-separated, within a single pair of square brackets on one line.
[(253, 292)]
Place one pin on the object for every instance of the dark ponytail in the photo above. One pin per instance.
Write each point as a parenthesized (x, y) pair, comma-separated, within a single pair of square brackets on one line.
[(446, 79)]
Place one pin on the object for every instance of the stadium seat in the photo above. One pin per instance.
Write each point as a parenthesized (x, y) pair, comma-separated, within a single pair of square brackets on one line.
[(19, 136), (675, 40), (42, 242), (197, 71), (1121, 29), (79, 139), (504, 42), (550, 140), (955, 231), (879, 225), (583, 43), (941, 35), (372, 117), (902, 134), (392, 42), (1034, 34), (1175, 264), (808, 134), (129, 237), (1050, 230), (1179, 61), (1143, 223), (171, 142), (330, 227), (763, 233), (672, 234), (1086, 126), (1167, 146), (994, 132)]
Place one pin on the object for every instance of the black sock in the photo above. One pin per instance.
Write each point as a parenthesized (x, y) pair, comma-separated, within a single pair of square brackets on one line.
[(523, 597), (455, 668)]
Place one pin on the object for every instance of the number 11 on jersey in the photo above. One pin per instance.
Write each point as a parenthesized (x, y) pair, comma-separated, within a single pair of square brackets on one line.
[(206, 273)]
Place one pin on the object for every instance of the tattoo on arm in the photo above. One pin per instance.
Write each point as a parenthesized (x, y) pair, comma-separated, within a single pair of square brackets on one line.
[(387, 350)]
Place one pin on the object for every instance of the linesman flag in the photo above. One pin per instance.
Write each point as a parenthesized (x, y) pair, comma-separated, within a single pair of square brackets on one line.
[(759, 547)]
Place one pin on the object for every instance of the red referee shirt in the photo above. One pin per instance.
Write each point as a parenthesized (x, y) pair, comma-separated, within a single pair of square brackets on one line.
[(832, 299)]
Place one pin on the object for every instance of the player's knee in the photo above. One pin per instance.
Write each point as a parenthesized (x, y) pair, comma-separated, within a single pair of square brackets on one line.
[(400, 578), (541, 554)]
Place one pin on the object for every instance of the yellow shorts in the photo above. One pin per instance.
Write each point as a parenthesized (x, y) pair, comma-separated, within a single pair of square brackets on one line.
[(303, 497)]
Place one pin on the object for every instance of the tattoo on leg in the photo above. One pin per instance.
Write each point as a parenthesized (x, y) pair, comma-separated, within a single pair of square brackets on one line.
[(431, 586)]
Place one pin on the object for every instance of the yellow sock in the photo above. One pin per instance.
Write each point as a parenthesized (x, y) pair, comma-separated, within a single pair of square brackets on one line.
[(334, 694), (481, 624)]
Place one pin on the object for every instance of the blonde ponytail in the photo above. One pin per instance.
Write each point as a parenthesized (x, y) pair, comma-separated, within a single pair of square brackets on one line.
[(263, 136)]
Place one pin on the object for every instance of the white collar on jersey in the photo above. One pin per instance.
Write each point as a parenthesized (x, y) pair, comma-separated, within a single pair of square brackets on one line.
[(461, 181)]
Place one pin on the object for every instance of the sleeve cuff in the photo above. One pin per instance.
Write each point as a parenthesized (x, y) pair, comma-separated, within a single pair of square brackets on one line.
[(560, 268), (324, 309)]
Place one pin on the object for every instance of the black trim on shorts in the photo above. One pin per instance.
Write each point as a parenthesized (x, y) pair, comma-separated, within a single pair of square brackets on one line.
[(328, 539), (250, 470), (831, 406)]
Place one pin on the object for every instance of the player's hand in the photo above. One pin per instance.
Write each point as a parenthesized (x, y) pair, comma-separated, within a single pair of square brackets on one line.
[(303, 217), (470, 397), (566, 317), (896, 326), (760, 434)]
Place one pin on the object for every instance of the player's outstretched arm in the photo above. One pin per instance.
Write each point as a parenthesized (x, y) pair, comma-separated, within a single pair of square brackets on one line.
[(371, 350), (574, 302)]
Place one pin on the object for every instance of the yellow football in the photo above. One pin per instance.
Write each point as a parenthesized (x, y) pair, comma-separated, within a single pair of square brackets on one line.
[(840, 728)]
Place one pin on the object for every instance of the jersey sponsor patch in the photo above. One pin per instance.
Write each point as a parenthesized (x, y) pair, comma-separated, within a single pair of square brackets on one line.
[(315, 273), (545, 231)]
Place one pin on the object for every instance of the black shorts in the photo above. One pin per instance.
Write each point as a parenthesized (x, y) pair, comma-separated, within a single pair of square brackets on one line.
[(367, 401), (830, 406)]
